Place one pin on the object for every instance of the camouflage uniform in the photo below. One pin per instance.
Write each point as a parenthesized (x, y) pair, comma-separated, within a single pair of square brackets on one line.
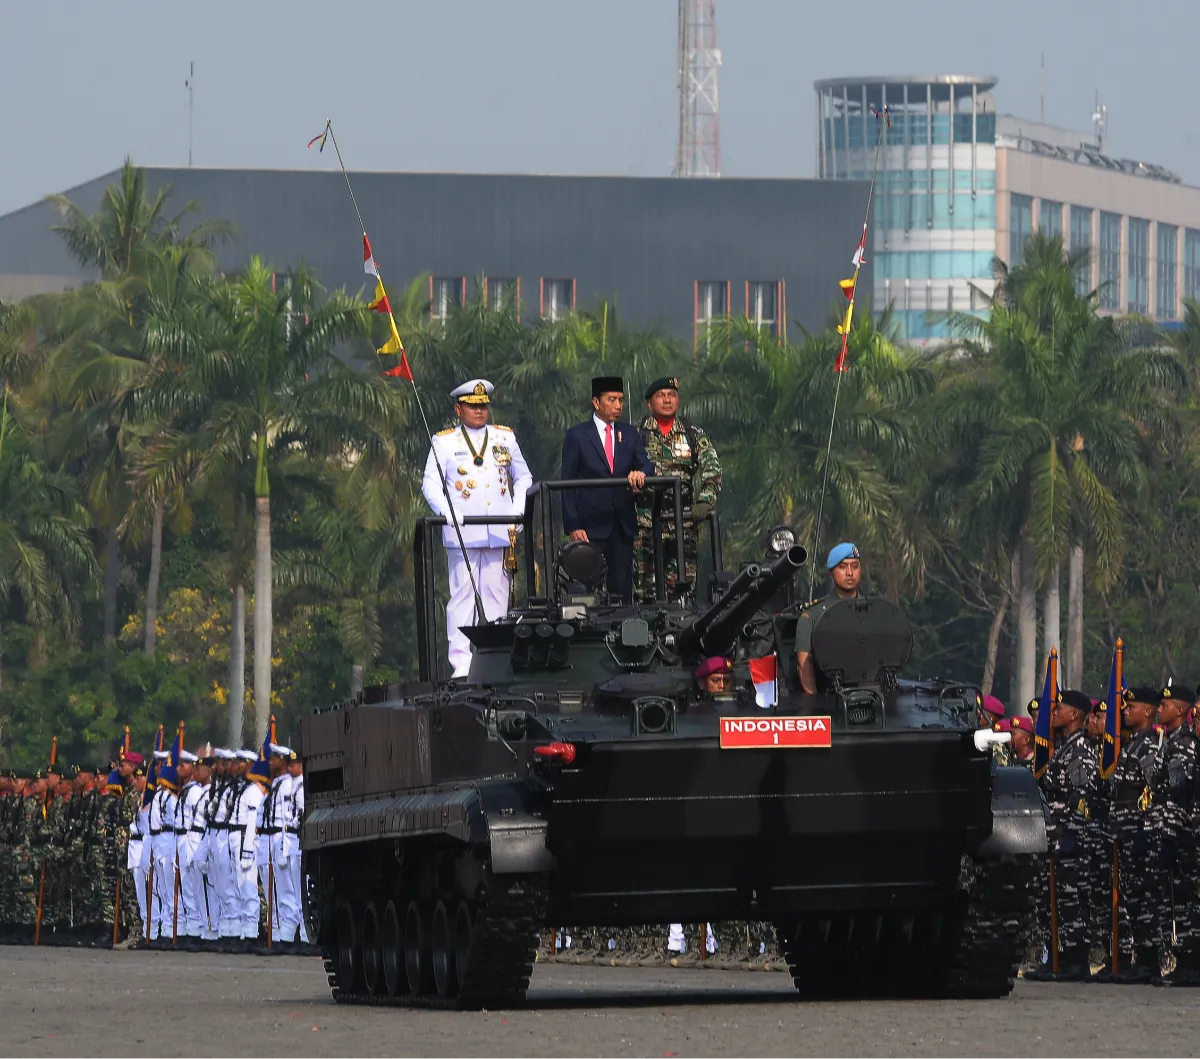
[(10, 807), (89, 899), (1067, 783), (684, 451), (120, 812), (26, 871), (1134, 830), (1171, 811)]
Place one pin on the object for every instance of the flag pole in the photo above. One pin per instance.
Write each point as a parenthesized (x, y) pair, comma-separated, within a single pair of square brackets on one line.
[(481, 616), (884, 118)]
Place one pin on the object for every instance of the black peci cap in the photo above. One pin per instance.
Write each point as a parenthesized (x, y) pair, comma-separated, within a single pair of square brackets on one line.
[(607, 384)]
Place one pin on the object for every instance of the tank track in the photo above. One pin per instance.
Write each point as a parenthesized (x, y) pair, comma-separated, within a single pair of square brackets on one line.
[(510, 911), (969, 949), (992, 939)]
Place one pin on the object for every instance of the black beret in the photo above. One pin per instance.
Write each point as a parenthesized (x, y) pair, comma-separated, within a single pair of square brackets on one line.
[(1144, 694), (1177, 693), (1075, 699), (607, 384), (667, 382)]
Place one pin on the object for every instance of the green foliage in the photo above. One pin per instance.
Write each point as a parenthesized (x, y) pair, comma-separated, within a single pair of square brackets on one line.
[(166, 389)]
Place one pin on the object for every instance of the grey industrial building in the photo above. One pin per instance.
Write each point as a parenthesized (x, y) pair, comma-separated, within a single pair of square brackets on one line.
[(668, 252)]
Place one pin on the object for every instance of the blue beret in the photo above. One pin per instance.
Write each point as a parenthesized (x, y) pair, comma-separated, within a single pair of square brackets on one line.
[(845, 550)]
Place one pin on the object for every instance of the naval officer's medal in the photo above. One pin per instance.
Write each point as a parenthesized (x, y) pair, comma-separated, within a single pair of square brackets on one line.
[(476, 456)]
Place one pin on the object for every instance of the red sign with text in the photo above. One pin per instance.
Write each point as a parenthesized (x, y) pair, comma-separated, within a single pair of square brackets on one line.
[(750, 733)]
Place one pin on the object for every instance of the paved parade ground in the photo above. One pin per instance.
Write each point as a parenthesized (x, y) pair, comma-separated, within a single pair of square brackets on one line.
[(59, 1002)]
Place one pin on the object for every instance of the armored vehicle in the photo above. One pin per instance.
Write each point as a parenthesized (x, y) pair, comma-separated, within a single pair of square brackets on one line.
[(579, 775)]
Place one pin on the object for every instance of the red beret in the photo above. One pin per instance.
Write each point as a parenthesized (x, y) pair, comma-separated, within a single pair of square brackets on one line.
[(713, 665), (1023, 723), (134, 758), (993, 705)]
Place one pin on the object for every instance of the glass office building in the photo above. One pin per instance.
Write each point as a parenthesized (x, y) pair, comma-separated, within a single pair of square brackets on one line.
[(933, 223), (960, 185)]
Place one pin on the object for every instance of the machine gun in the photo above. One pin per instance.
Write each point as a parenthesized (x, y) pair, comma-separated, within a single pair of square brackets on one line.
[(716, 630)]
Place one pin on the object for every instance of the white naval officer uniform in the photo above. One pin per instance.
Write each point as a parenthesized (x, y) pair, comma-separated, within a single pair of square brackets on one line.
[(496, 486), (162, 851)]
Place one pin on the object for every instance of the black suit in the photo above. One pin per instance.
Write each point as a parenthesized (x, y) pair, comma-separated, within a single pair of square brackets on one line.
[(607, 515)]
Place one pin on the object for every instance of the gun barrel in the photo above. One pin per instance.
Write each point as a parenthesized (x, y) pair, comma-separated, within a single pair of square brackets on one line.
[(717, 628)]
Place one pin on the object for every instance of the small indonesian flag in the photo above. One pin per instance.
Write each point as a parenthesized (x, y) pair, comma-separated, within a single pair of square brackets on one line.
[(847, 286), (860, 251), (368, 259), (763, 672), (380, 304)]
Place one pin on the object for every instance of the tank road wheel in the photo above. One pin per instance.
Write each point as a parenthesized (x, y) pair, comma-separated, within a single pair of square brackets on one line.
[(464, 934), (370, 948), (390, 944), (348, 952), (445, 976), (417, 960)]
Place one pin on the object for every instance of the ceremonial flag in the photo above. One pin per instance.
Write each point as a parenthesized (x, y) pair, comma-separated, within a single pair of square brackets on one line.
[(368, 258), (763, 672), (381, 303), (1110, 745), (1043, 744), (844, 331), (860, 251), (152, 770), (322, 136), (393, 344), (401, 370), (847, 286)]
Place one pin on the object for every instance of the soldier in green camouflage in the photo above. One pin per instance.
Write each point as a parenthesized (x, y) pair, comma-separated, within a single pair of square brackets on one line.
[(89, 901), (675, 446), (24, 890), (10, 805)]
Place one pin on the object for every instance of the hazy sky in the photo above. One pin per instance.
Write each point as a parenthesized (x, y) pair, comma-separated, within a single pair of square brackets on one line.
[(543, 85)]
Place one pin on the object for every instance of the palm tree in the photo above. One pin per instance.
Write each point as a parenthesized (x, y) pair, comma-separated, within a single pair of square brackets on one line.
[(774, 400), (259, 381), (122, 242), (1052, 402), (45, 553), (359, 566)]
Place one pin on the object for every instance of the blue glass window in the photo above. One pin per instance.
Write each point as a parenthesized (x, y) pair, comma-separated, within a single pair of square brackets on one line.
[(1081, 243), (1020, 224), (1165, 271), (1050, 221), (1191, 264), (1138, 273), (1110, 260)]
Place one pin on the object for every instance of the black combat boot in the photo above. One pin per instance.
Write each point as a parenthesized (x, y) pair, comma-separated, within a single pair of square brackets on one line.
[(1141, 971)]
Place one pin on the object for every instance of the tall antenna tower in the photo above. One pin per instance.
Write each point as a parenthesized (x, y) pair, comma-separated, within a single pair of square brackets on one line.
[(698, 146)]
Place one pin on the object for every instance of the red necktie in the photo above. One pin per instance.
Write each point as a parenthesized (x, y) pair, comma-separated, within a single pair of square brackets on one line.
[(608, 447)]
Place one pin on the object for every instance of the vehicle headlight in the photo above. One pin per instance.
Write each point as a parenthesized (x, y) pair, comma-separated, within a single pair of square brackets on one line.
[(780, 539)]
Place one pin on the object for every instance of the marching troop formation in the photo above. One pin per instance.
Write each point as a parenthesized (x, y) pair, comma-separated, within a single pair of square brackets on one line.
[(1120, 893), (199, 851)]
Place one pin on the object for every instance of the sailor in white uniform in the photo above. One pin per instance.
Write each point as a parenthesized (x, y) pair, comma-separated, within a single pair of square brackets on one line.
[(485, 474)]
